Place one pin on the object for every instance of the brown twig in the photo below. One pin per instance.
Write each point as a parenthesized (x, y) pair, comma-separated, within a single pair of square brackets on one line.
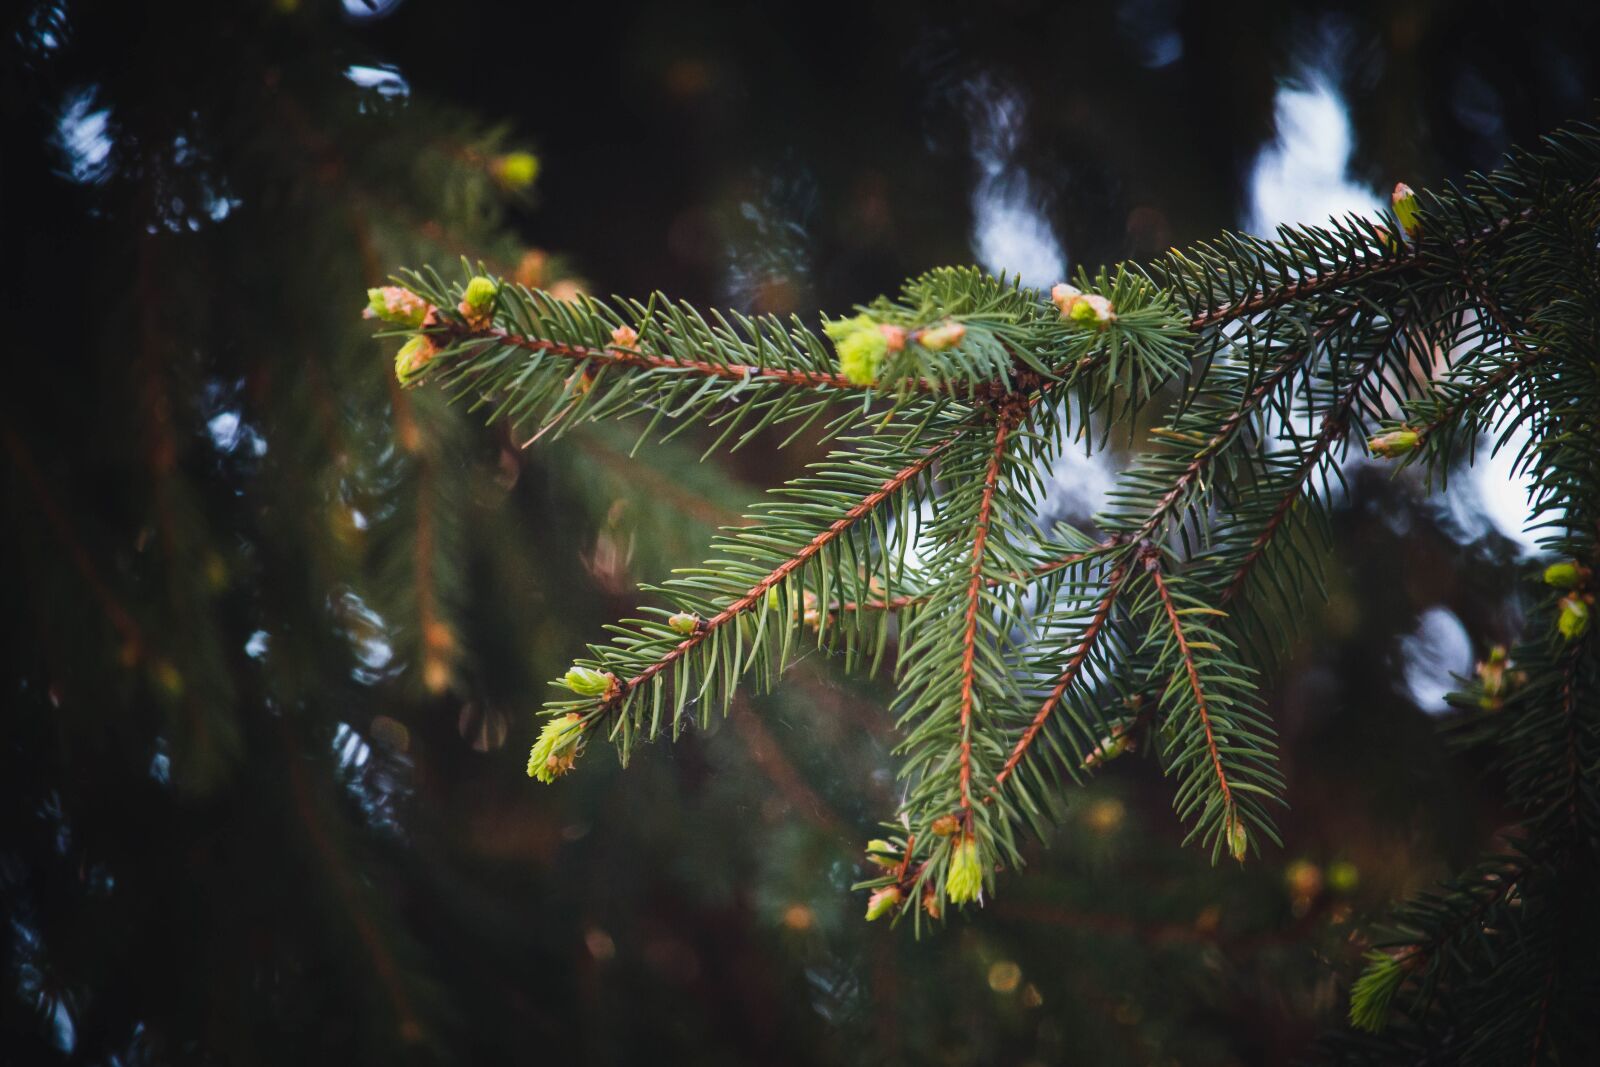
[(623, 357), (1304, 286), (1074, 666), (754, 595), (1334, 426), (1266, 299), (969, 642), (1152, 563)]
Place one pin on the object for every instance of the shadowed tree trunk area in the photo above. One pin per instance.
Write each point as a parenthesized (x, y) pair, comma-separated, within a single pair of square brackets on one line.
[(280, 629)]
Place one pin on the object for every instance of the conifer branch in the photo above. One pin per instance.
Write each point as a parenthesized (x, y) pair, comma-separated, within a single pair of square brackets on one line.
[(1490, 384), (1305, 286), (757, 593), (1213, 447), (618, 356), (1335, 428), (1009, 649), (1007, 419), (1152, 566), (1074, 667)]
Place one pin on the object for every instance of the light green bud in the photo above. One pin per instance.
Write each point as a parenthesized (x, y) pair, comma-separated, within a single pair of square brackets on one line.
[(1574, 619), (965, 881), (1394, 443), (557, 748), (414, 355), (587, 682), (1238, 839), (480, 293), (883, 902), (1566, 575), (1404, 202)]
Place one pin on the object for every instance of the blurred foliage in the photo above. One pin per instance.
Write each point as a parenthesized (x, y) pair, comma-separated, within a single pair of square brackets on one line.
[(280, 630)]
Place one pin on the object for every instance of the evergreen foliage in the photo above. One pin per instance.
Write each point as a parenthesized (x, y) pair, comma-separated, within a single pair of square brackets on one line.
[(1024, 658)]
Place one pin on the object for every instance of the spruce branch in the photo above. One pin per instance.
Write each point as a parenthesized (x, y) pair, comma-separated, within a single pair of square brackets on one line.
[(1023, 660), (1004, 424), (1075, 666), (756, 595)]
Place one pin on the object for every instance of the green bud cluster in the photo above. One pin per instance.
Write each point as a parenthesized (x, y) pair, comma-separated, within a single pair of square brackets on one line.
[(861, 345)]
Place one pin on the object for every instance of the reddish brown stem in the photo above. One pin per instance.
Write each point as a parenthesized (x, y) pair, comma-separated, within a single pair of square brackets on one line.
[(1153, 565), (1074, 667), (1358, 270), (629, 358), (1314, 283), (1334, 424), (757, 592), (1214, 446), (969, 641), (1333, 429)]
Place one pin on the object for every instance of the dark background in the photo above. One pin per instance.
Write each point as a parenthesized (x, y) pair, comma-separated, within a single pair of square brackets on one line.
[(279, 631)]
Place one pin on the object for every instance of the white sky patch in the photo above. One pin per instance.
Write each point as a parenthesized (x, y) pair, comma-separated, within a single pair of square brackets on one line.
[(1503, 494), (1010, 234), (1303, 176), (1079, 484), (1433, 655), (1492, 495)]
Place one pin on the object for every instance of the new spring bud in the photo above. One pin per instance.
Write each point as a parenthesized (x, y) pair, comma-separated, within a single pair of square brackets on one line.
[(1568, 574), (587, 682), (1573, 621), (939, 338), (625, 337), (1115, 744), (883, 902), (965, 880), (516, 170), (1065, 297), (477, 301), (1092, 309), (412, 357), (882, 853), (930, 902), (946, 826), (861, 354), (1238, 839), (1404, 201), (684, 623), (557, 748), (394, 304), (1394, 443)]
